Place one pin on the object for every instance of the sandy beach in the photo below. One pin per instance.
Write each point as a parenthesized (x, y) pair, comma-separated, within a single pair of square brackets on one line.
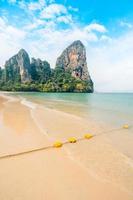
[(100, 168)]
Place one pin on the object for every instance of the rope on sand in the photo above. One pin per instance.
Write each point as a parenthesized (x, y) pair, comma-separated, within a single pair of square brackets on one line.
[(59, 144)]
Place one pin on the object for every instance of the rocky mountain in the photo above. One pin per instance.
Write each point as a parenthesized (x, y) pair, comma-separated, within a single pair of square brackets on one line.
[(20, 65), (70, 74), (73, 58)]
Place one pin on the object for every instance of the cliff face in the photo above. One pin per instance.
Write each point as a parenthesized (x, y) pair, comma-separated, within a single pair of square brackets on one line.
[(73, 58), (20, 64)]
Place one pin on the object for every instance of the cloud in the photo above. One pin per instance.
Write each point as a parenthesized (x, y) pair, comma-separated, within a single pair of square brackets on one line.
[(96, 27), (23, 5), (126, 24), (34, 25), (12, 1), (36, 5), (46, 11), (65, 19), (73, 9), (10, 32), (111, 64), (11, 40), (53, 10)]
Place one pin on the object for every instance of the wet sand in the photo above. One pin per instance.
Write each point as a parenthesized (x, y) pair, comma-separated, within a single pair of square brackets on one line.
[(98, 169)]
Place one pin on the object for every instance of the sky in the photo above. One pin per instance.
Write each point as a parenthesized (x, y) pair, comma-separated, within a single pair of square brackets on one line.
[(44, 28)]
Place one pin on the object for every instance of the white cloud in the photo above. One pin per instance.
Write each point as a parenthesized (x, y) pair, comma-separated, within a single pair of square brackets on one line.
[(22, 4), (105, 38), (53, 10), (10, 32), (65, 19), (73, 9), (11, 40), (36, 5), (126, 24), (111, 64), (12, 1), (96, 27), (34, 25)]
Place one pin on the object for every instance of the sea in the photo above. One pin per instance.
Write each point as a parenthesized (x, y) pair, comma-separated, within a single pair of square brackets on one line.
[(111, 108)]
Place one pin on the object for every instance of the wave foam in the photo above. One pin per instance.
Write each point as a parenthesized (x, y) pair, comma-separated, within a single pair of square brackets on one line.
[(29, 104)]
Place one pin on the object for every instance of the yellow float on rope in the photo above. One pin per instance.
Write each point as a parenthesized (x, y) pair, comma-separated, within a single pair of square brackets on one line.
[(58, 144), (72, 140), (88, 136), (126, 126)]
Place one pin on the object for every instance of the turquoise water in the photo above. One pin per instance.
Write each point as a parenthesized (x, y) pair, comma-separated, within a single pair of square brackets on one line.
[(114, 109)]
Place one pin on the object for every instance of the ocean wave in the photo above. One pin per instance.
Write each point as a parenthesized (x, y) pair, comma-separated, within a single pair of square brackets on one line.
[(29, 104)]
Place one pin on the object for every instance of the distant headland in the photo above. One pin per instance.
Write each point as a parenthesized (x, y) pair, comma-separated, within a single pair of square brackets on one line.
[(70, 73)]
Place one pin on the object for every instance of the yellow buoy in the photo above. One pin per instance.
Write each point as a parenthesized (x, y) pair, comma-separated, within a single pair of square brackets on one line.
[(88, 136), (126, 126), (58, 144), (72, 140)]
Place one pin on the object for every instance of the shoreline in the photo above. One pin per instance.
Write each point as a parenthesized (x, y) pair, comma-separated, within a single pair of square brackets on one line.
[(106, 166)]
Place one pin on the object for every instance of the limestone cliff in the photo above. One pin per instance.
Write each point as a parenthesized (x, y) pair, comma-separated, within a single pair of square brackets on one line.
[(73, 58), (20, 63)]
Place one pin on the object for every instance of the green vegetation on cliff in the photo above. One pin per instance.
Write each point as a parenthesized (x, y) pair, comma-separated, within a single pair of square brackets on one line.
[(70, 73), (55, 80)]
